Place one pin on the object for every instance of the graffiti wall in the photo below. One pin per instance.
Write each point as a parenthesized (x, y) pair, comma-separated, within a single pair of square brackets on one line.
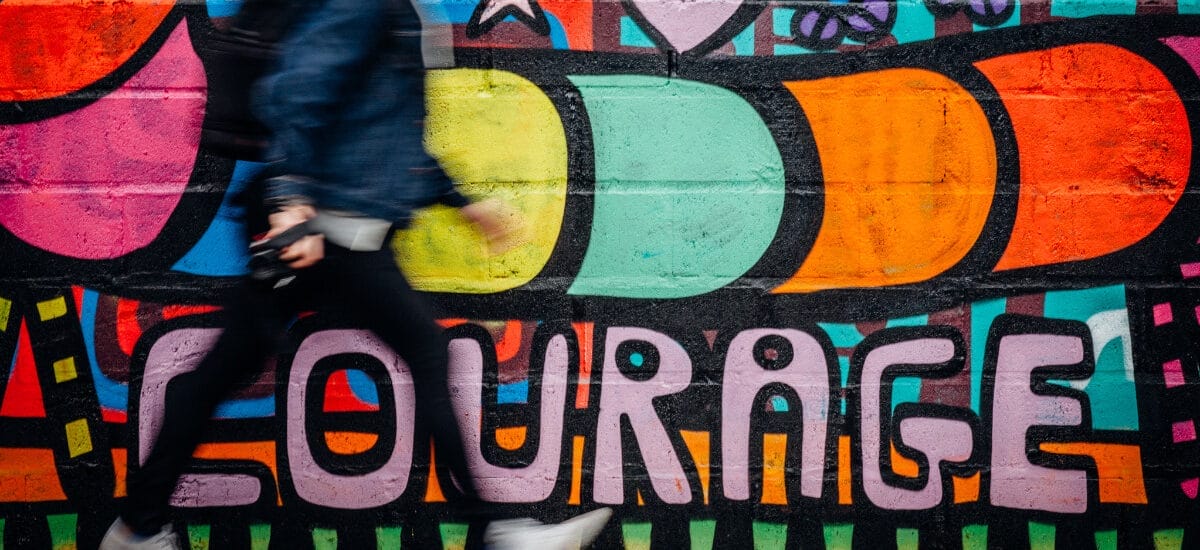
[(841, 274)]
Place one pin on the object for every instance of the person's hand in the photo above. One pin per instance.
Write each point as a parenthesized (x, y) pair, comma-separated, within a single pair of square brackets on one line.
[(499, 224), (308, 250)]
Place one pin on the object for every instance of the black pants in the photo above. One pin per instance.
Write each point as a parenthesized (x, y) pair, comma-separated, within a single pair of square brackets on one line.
[(369, 286)]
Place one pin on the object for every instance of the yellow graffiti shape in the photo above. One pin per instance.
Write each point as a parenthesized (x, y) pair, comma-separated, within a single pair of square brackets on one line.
[(909, 164), (498, 136)]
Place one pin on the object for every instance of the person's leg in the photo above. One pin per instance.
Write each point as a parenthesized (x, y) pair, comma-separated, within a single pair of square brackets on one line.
[(251, 324), (379, 296)]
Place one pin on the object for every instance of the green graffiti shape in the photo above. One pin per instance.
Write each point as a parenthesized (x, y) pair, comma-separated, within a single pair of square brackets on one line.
[(387, 538), (1168, 539), (770, 536), (1106, 540), (324, 539), (636, 535), (62, 531), (689, 187), (1041, 536), (198, 536), (974, 537), (454, 535), (839, 537), (702, 532), (260, 536)]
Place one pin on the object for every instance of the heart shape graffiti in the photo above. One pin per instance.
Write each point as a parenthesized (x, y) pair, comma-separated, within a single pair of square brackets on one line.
[(693, 27)]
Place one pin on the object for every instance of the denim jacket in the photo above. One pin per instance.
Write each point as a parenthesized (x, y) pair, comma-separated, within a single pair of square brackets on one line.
[(346, 106)]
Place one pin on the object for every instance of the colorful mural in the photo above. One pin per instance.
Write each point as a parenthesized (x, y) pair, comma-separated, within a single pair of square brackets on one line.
[(861, 274)]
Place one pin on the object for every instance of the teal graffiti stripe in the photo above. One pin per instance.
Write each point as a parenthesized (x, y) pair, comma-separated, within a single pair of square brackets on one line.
[(839, 536), (844, 369), (683, 206), (914, 22), (62, 531), (910, 321), (1086, 8), (974, 537), (781, 21), (982, 315), (633, 35), (388, 538), (791, 49), (743, 43), (260, 536), (1041, 536), (324, 539), (770, 536), (1105, 312), (454, 535), (846, 335), (1168, 539), (702, 533), (199, 535), (843, 335), (908, 539), (907, 389), (1189, 7), (636, 535)]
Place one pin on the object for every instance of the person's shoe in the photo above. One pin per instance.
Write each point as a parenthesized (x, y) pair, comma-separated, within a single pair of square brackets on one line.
[(121, 537), (526, 534)]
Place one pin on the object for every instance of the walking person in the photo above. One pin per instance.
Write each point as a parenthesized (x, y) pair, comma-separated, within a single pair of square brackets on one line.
[(345, 108)]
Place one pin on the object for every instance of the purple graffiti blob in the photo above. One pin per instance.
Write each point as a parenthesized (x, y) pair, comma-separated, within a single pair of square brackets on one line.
[(1188, 47), (988, 7), (810, 21), (100, 182)]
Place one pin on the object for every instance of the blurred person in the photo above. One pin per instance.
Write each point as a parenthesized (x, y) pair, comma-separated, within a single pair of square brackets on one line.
[(345, 108)]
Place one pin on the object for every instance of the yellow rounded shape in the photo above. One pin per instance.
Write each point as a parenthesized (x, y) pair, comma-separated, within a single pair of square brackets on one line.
[(499, 137)]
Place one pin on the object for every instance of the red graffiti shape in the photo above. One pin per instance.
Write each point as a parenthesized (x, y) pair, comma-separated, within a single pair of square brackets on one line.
[(54, 48)]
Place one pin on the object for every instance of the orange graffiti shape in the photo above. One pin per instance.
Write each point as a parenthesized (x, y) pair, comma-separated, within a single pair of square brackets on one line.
[(774, 480), (1104, 148), (844, 476), (511, 438), (909, 163), (29, 475), (1119, 468), (350, 443), (258, 451), (698, 444), (54, 48)]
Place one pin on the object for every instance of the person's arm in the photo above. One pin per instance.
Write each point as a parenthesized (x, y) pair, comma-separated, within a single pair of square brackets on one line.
[(500, 225), (299, 101)]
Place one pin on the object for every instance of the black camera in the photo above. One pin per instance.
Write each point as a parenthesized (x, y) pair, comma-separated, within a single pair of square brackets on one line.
[(265, 264)]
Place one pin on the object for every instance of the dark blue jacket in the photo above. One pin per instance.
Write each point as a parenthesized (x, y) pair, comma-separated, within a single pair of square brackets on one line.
[(346, 105)]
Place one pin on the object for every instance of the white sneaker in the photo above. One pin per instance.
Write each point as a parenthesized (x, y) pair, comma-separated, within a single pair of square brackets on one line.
[(121, 537), (527, 534)]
